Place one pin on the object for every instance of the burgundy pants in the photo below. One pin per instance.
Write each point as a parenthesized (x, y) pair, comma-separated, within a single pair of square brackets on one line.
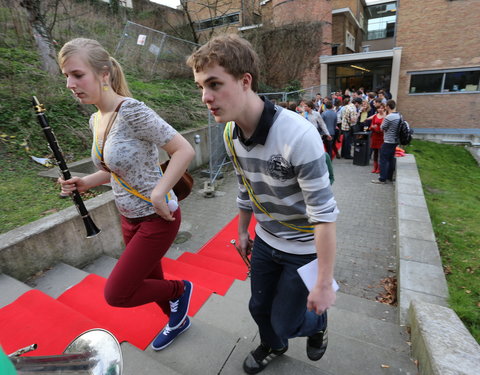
[(137, 278)]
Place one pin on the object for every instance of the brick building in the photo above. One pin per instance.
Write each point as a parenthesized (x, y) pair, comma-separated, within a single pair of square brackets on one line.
[(440, 68), (427, 53)]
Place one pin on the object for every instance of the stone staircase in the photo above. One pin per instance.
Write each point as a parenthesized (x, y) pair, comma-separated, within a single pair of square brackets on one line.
[(364, 336)]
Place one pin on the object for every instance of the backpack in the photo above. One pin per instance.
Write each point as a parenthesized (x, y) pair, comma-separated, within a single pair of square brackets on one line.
[(405, 132)]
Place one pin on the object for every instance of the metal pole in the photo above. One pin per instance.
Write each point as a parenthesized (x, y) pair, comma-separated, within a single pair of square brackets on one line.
[(159, 52)]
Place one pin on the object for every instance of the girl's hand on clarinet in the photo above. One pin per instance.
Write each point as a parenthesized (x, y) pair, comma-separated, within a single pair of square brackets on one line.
[(75, 183)]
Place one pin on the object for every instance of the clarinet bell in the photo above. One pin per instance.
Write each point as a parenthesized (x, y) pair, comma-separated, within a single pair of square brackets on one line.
[(90, 227)]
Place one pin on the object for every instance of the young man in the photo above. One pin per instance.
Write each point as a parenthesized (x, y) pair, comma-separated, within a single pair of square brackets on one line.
[(349, 119), (330, 119), (279, 157), (316, 119), (390, 142)]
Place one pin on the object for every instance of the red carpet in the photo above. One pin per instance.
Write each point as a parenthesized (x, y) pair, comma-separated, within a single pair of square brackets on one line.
[(219, 247), (238, 271), (36, 318), (214, 281), (138, 325), (53, 324)]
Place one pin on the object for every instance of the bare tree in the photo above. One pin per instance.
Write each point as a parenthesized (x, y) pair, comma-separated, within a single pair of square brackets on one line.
[(41, 34), (206, 17), (191, 23)]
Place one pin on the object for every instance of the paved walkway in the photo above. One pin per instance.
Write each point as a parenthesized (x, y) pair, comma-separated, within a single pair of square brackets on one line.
[(365, 228)]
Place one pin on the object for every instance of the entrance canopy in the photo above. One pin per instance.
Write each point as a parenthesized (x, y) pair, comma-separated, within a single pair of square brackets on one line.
[(370, 70)]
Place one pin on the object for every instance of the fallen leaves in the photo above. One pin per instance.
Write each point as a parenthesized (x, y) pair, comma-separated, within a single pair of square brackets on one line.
[(388, 297), (447, 270), (470, 270), (48, 212)]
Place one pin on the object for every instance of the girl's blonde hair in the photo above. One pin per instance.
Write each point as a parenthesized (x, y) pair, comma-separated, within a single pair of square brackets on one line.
[(98, 59)]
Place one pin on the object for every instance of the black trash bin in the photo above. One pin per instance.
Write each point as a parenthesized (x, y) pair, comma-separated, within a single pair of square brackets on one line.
[(361, 148)]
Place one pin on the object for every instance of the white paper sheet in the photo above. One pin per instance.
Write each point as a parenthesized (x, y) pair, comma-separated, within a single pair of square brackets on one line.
[(308, 273)]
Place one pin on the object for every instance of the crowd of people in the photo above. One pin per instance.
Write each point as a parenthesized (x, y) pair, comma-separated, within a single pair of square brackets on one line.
[(340, 115)]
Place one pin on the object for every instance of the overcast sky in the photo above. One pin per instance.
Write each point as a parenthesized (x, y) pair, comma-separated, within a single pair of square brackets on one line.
[(170, 3)]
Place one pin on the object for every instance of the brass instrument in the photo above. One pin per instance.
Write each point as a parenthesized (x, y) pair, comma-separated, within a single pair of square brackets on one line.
[(245, 258), (94, 352)]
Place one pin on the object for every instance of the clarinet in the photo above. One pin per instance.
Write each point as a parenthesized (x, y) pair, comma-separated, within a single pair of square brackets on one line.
[(90, 226)]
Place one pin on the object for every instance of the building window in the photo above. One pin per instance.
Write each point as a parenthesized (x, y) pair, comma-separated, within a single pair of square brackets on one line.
[(453, 80), (350, 41), (381, 21), (218, 21)]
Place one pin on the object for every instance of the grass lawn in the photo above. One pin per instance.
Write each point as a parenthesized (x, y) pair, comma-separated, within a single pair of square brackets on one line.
[(451, 184), (25, 196)]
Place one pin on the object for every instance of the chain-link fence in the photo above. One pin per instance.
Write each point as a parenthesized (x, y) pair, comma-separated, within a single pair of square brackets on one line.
[(218, 154), (295, 96), (154, 52)]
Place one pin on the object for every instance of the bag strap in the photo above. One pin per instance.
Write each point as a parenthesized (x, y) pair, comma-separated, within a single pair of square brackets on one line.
[(121, 182), (228, 135), (107, 131)]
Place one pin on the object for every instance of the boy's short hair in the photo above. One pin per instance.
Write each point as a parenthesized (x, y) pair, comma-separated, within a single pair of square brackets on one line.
[(310, 104), (391, 104), (235, 54)]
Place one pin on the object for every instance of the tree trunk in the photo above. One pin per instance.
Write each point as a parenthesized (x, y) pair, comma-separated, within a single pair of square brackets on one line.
[(42, 36)]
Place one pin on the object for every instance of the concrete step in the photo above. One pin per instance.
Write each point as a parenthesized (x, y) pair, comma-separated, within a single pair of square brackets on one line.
[(102, 266), (361, 332), (368, 330), (10, 289), (228, 314), (58, 279), (283, 365), (137, 362), (207, 349), (202, 349), (348, 356), (372, 309)]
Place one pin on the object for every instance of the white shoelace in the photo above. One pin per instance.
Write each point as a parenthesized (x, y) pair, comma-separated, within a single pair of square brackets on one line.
[(174, 305), (167, 330)]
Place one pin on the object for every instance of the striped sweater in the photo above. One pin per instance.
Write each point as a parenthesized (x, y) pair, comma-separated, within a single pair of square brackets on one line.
[(289, 177)]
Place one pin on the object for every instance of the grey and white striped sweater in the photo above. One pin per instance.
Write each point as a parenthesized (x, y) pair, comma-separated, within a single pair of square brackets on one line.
[(289, 176)]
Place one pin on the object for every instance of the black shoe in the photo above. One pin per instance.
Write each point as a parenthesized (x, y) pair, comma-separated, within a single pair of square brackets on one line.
[(317, 345), (348, 157), (259, 358)]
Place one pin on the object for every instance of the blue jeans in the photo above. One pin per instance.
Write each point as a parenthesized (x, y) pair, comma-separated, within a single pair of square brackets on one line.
[(347, 144), (387, 161), (279, 297)]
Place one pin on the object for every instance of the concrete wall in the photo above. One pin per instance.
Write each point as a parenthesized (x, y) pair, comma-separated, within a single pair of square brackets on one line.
[(440, 342), (438, 34), (61, 237), (379, 44)]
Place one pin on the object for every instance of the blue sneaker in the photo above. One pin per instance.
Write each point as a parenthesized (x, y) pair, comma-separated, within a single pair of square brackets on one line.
[(179, 307), (168, 334)]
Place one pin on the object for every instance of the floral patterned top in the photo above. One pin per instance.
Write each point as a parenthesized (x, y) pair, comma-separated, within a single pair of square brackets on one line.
[(131, 153)]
